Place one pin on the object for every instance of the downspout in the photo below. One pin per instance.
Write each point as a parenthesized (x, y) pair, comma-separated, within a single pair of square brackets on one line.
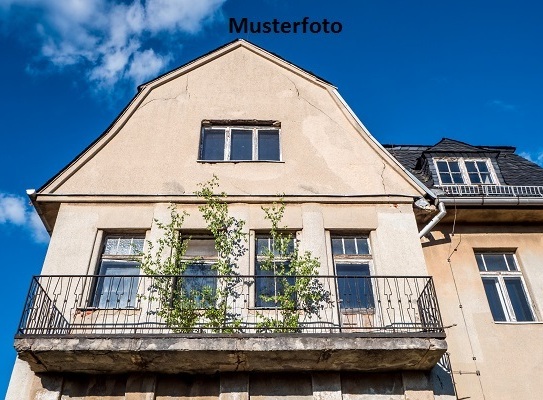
[(434, 221)]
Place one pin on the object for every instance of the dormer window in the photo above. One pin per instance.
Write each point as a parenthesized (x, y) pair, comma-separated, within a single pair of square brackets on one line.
[(461, 171)]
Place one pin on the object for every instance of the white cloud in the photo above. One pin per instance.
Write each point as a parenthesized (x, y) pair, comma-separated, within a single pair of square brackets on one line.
[(39, 234), (15, 210), (502, 105), (535, 157), (12, 210), (109, 38), (145, 64)]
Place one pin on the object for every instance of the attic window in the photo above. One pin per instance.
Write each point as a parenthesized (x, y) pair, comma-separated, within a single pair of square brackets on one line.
[(460, 171), (256, 142)]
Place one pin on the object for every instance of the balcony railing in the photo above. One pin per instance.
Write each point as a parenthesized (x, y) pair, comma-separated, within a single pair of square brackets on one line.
[(492, 190), (117, 305)]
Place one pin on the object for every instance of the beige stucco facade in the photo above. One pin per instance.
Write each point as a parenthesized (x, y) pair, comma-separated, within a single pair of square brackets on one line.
[(333, 176), (492, 360)]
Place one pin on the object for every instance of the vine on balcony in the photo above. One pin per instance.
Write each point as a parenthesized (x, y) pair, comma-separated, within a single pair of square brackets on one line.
[(186, 307)]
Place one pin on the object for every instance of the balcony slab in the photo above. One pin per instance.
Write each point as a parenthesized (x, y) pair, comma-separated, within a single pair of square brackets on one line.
[(234, 352)]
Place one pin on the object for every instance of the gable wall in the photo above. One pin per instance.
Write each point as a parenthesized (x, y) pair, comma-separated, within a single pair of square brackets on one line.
[(156, 150)]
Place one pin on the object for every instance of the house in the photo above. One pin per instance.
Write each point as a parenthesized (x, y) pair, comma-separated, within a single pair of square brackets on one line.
[(95, 326), (484, 251)]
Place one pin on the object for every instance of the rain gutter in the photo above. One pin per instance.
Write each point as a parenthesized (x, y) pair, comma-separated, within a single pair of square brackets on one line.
[(434, 221)]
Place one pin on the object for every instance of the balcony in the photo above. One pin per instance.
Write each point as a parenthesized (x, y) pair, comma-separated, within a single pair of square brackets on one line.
[(492, 190), (114, 324)]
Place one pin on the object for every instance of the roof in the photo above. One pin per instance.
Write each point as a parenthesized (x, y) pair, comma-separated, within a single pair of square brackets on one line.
[(140, 87), (514, 169)]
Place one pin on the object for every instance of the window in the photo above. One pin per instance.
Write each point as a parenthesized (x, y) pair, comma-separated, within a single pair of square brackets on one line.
[(504, 287), (117, 285), (459, 171), (352, 262), (240, 143), (199, 282), (270, 278)]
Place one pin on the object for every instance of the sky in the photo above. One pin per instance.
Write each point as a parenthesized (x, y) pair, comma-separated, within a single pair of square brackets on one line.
[(413, 71)]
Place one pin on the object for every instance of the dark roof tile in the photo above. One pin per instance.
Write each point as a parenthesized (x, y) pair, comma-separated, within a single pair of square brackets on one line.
[(515, 170)]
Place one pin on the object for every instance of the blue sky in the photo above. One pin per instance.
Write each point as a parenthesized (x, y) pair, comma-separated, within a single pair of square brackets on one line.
[(413, 71)]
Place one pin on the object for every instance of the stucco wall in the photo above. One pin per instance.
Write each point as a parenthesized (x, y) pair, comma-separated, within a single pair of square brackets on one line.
[(154, 149), (238, 386), (75, 244), (509, 356)]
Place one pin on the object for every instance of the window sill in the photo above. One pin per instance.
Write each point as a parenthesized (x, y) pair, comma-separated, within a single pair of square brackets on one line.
[(240, 161), (518, 322)]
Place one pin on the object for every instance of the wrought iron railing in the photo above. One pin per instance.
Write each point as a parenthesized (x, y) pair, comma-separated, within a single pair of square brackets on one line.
[(492, 190), (105, 304)]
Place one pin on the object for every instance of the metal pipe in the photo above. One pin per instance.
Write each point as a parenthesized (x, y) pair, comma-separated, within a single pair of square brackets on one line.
[(434, 221)]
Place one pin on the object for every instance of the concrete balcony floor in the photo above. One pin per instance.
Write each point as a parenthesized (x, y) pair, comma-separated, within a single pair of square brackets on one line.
[(210, 353)]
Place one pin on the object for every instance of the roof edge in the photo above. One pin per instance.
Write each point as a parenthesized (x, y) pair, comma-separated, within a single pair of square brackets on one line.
[(141, 90)]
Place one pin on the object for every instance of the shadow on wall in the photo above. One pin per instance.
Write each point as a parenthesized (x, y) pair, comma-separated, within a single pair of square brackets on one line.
[(442, 378)]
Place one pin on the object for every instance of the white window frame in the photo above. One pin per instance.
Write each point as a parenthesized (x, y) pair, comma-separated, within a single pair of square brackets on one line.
[(499, 277), (353, 259), (277, 259), (228, 141), (120, 258), (463, 170), (203, 259)]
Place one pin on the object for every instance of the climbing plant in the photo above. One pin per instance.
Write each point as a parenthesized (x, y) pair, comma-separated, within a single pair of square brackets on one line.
[(187, 305), (299, 295)]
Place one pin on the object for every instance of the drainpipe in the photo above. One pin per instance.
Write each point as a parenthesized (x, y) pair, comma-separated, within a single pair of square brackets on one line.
[(434, 221)]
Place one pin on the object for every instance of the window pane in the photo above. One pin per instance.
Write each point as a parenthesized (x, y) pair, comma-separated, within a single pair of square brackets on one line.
[(265, 285), (470, 166), (491, 290), (480, 262), (263, 246), (482, 166), (457, 178), (515, 290), (213, 144), (454, 166), (475, 179), (268, 286), (511, 262), (268, 145), (241, 144), (137, 245), (125, 247), (201, 248), (349, 245), (111, 245), (337, 246), (446, 179), (495, 262), (363, 246), (354, 285), (199, 283), (115, 291), (486, 178), (442, 166)]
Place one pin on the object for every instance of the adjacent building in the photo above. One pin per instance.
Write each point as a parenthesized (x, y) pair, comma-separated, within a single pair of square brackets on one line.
[(95, 326), (485, 257)]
